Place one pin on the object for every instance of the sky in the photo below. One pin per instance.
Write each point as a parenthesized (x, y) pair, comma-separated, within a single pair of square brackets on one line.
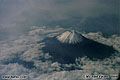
[(17, 16)]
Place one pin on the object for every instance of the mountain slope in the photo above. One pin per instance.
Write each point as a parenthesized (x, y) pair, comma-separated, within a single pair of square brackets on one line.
[(70, 37)]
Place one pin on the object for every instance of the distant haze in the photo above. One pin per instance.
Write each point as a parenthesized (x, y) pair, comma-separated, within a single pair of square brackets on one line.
[(17, 16)]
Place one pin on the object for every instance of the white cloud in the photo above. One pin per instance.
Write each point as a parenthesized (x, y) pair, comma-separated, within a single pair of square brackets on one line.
[(28, 49)]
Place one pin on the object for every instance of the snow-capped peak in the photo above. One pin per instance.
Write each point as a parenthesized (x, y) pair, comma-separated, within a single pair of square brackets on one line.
[(70, 37)]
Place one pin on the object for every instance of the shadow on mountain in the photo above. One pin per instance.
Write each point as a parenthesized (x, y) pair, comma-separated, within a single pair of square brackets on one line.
[(67, 53), (118, 76)]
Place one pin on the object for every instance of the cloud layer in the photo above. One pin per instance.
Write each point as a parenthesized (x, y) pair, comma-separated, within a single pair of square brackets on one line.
[(27, 48)]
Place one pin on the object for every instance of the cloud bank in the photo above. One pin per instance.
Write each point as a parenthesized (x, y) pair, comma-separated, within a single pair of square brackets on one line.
[(17, 55)]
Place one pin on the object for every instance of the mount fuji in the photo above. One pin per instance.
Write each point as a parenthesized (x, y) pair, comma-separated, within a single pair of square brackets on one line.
[(69, 45)]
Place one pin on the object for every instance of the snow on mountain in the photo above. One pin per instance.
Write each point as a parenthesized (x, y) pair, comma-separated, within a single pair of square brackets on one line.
[(70, 37)]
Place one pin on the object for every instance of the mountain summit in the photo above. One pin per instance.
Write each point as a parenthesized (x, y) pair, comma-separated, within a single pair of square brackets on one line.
[(71, 37)]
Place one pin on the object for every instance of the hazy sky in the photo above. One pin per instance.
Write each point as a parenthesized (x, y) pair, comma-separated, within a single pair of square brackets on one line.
[(18, 15)]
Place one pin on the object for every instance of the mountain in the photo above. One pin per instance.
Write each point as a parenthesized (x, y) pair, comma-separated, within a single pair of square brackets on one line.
[(69, 45)]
